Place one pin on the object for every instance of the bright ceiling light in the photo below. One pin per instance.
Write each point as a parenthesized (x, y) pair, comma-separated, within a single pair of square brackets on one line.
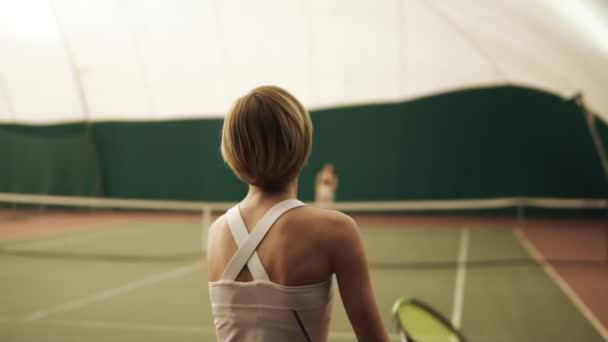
[(585, 17), (27, 19)]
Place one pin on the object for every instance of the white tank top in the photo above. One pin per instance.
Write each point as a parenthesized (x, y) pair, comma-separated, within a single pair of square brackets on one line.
[(261, 310)]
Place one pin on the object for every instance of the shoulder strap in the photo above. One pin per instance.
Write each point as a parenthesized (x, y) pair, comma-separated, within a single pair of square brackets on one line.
[(247, 249), (240, 234)]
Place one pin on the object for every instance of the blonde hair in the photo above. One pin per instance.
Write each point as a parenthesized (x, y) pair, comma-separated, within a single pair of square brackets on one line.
[(267, 138)]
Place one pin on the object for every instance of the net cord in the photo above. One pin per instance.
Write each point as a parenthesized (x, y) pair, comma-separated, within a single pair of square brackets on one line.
[(348, 206)]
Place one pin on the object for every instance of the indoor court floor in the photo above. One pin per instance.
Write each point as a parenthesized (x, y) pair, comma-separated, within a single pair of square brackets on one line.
[(130, 278)]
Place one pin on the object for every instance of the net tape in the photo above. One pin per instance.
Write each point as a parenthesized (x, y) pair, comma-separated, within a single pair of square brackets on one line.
[(348, 206)]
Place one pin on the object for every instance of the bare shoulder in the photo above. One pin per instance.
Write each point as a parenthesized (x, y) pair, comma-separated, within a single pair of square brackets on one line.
[(217, 224), (328, 223), (214, 229), (336, 234)]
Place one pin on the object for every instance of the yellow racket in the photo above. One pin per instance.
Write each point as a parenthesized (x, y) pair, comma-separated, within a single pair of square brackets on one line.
[(419, 322)]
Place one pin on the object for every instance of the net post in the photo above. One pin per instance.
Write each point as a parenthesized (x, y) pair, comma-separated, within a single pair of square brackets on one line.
[(39, 210), (15, 210), (205, 224), (521, 213)]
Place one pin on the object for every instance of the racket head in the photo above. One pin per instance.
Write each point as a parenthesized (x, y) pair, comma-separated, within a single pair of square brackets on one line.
[(419, 322)]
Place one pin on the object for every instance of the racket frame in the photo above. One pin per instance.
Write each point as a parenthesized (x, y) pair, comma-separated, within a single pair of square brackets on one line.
[(426, 307)]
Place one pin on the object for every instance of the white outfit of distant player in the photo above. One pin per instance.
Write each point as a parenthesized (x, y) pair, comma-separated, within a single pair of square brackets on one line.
[(325, 193), (325, 190)]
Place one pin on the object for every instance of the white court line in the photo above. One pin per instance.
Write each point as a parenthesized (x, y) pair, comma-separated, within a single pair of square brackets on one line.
[(561, 283), (461, 275), (111, 293)]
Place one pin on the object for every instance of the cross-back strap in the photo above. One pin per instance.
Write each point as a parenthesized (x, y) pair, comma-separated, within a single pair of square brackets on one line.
[(240, 234), (247, 248)]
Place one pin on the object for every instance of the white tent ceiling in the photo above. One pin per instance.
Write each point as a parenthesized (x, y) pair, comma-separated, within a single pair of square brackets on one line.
[(71, 60)]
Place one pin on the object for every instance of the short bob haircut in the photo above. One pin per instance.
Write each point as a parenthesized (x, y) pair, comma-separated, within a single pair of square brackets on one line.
[(267, 138)]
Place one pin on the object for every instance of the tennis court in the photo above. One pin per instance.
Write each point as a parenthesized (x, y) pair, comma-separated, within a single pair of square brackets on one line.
[(469, 139), (100, 275)]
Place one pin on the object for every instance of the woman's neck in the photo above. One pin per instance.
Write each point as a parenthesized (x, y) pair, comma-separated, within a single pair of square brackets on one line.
[(258, 195)]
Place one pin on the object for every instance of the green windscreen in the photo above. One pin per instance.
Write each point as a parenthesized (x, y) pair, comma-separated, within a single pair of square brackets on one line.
[(475, 143), (62, 164)]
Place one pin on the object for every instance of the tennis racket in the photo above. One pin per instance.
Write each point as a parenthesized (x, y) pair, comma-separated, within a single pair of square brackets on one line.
[(419, 322)]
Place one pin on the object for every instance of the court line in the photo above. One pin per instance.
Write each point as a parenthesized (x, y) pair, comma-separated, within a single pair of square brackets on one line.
[(114, 292), (561, 283), (461, 275)]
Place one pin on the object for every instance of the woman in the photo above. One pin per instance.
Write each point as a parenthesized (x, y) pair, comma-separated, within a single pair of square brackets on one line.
[(276, 284)]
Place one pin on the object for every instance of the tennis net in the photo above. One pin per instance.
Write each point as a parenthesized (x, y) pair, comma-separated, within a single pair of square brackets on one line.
[(88, 228), (127, 230)]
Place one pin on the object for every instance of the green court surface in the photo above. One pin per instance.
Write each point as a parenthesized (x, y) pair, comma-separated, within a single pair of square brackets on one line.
[(56, 287)]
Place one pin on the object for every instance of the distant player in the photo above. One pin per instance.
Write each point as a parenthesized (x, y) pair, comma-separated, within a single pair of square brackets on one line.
[(326, 185)]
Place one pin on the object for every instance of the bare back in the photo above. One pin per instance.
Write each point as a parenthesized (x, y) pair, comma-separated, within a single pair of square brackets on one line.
[(294, 252), (306, 246)]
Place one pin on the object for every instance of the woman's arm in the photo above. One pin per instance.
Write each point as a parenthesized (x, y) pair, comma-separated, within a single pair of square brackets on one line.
[(349, 263)]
